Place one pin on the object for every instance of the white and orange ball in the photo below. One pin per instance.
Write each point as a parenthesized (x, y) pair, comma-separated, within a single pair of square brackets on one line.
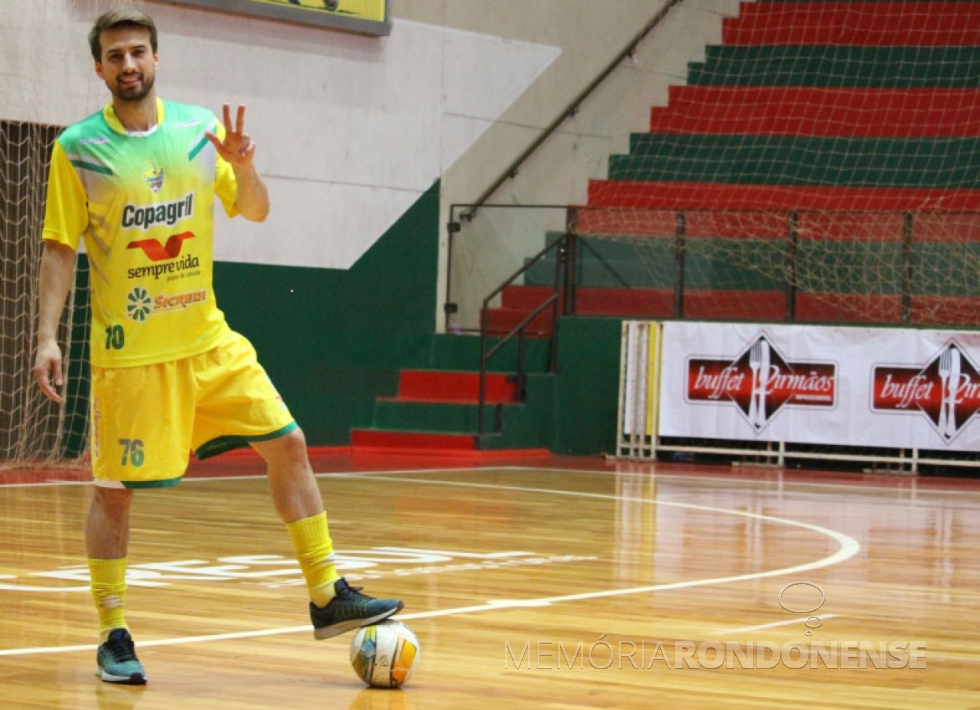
[(384, 655)]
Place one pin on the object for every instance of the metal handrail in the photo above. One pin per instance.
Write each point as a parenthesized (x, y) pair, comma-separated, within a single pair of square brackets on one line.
[(571, 109), (560, 245)]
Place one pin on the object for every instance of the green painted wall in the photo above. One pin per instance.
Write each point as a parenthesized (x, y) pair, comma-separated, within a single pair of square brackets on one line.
[(332, 340), (588, 386)]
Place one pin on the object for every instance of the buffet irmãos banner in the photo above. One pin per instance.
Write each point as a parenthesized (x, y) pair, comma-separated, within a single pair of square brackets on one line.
[(879, 387)]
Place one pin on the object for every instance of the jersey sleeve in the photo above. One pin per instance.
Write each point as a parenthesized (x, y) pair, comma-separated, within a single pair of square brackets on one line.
[(66, 210), (225, 184)]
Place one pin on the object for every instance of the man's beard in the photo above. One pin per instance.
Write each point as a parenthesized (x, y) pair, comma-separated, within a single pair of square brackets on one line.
[(134, 93)]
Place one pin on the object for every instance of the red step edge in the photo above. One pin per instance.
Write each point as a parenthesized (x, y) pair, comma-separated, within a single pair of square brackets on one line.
[(248, 451), (411, 440), (868, 24), (818, 111), (461, 454), (452, 386), (375, 442), (698, 195)]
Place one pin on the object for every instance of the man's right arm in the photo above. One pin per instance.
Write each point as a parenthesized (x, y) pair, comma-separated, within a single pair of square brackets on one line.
[(57, 275)]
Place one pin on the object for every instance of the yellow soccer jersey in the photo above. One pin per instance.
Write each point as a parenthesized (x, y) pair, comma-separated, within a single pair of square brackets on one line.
[(144, 203)]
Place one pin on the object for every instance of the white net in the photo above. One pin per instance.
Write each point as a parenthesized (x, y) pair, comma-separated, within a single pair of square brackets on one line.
[(821, 165), (881, 267), (33, 430)]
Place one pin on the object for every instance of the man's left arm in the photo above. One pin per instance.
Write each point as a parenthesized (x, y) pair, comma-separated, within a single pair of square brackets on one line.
[(252, 199), (238, 149)]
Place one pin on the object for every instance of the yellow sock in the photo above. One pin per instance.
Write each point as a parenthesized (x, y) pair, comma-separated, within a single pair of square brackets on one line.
[(314, 550), (109, 593)]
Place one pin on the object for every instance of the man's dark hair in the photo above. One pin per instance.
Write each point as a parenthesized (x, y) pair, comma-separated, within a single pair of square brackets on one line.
[(120, 17)]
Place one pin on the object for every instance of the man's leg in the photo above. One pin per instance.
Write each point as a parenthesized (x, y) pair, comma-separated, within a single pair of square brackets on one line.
[(297, 499), (334, 607), (107, 525), (294, 490), (107, 543)]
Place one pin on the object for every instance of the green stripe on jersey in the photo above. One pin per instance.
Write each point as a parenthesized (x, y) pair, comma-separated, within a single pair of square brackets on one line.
[(197, 148), (91, 166)]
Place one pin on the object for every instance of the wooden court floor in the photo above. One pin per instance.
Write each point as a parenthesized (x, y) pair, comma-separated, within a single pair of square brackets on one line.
[(556, 585)]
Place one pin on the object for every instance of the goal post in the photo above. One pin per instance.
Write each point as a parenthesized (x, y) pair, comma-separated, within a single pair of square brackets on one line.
[(33, 430)]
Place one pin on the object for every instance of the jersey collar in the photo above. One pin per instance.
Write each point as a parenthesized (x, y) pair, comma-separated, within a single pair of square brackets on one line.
[(109, 113)]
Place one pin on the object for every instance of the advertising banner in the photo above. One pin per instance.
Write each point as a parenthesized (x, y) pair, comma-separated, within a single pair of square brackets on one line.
[(880, 387)]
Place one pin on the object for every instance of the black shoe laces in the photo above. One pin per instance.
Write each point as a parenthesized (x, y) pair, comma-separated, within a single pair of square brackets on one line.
[(352, 593), (121, 647)]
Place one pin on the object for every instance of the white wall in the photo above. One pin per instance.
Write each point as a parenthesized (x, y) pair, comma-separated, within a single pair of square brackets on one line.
[(590, 34), (351, 130)]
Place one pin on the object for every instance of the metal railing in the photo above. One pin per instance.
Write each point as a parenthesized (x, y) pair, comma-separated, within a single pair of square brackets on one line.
[(561, 247), (573, 107), (486, 250)]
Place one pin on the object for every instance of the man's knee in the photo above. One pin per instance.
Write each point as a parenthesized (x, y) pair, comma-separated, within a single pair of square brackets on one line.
[(289, 446), (113, 502)]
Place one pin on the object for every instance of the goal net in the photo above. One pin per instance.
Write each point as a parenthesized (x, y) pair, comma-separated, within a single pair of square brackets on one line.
[(821, 165), (33, 430)]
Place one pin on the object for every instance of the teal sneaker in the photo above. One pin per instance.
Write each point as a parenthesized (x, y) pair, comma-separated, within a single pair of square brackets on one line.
[(350, 609), (117, 660)]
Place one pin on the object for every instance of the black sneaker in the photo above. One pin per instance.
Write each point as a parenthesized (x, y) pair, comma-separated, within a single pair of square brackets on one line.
[(350, 609), (117, 660)]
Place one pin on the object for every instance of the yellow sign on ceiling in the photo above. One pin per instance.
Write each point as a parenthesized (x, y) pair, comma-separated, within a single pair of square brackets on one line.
[(365, 9), (364, 16)]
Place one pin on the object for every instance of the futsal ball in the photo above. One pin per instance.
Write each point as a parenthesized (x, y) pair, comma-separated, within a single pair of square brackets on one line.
[(385, 654)]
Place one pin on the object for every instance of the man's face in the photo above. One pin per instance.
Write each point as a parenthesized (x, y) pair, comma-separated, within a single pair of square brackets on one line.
[(128, 65)]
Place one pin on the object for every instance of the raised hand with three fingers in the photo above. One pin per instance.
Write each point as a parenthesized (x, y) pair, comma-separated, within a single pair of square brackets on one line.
[(237, 148)]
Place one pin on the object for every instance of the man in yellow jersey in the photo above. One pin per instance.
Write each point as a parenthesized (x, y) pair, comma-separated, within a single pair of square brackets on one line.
[(138, 180)]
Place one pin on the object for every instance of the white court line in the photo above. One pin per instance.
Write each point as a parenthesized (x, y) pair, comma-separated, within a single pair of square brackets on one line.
[(45, 484), (909, 491), (848, 548), (769, 626), (261, 474), (721, 479)]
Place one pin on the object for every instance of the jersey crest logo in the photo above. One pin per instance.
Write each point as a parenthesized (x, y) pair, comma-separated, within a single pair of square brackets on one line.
[(153, 174), (139, 304), (160, 252)]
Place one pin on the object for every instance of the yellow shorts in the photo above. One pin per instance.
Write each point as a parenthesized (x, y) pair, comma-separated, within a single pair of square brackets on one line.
[(146, 419)]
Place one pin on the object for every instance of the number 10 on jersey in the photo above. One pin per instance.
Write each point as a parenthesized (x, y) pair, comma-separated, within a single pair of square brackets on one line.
[(115, 337)]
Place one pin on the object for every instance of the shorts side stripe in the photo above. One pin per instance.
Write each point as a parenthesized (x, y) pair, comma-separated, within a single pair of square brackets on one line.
[(152, 484), (227, 443)]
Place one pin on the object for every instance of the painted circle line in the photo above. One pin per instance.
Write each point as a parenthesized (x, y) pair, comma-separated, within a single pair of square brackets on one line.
[(848, 548)]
